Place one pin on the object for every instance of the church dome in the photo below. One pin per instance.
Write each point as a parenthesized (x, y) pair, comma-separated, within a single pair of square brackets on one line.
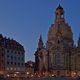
[(66, 31), (63, 28), (60, 26)]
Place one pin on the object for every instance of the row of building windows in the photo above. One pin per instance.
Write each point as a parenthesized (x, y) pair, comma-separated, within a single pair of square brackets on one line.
[(15, 58), (15, 68), (16, 52), (12, 51), (15, 63)]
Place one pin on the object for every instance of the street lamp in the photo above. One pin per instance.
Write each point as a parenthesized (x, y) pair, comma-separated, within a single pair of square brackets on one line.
[(27, 73), (8, 75)]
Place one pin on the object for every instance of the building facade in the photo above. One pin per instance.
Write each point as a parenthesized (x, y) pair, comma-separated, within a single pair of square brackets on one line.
[(60, 57), (29, 69), (12, 57)]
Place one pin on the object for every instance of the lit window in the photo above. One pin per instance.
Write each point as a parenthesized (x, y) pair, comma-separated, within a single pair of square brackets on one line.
[(27, 72), (14, 68), (8, 75), (14, 75), (11, 68), (18, 68)]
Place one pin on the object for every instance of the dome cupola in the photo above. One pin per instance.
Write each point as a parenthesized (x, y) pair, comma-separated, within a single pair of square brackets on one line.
[(60, 26), (59, 14), (59, 7)]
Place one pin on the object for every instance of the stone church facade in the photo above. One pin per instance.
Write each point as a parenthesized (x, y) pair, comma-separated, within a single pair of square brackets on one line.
[(60, 57)]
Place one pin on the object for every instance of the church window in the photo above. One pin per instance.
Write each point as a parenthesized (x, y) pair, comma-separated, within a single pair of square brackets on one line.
[(58, 58)]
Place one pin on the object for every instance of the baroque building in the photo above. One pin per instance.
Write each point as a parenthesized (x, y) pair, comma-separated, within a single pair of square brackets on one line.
[(12, 57), (60, 57)]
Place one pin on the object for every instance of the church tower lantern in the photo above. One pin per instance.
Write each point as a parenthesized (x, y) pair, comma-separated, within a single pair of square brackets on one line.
[(59, 14)]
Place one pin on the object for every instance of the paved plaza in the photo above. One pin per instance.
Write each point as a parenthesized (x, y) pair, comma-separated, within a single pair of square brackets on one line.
[(43, 78), (55, 78)]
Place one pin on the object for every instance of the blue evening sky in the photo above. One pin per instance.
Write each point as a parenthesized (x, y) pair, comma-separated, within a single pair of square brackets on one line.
[(25, 20)]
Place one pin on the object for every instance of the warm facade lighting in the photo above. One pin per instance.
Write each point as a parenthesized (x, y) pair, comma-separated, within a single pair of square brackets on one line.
[(27, 72), (8, 75)]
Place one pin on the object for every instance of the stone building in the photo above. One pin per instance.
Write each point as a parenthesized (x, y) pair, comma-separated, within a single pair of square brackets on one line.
[(12, 58), (29, 69), (60, 57)]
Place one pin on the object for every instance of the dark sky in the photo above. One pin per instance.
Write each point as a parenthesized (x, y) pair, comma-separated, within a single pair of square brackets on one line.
[(25, 20)]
